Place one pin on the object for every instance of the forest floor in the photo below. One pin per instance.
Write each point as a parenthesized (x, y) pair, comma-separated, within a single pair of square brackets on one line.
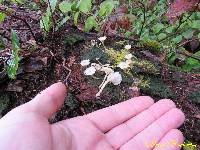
[(46, 64)]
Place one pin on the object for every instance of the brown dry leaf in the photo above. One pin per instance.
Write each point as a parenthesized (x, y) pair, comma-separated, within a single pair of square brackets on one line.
[(120, 19)]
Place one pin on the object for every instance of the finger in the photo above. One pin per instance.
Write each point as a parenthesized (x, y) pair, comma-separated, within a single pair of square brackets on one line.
[(107, 118), (153, 133), (171, 141), (47, 102), (124, 132)]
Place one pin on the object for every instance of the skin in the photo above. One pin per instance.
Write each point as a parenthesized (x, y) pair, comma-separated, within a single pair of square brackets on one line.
[(136, 124)]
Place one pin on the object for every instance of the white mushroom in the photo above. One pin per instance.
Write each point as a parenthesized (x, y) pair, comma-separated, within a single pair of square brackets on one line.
[(107, 70), (97, 66), (85, 62), (129, 61), (128, 47), (128, 56), (114, 77), (90, 71), (102, 39), (123, 65)]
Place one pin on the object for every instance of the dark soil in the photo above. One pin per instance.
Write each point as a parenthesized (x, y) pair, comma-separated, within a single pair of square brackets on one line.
[(46, 64)]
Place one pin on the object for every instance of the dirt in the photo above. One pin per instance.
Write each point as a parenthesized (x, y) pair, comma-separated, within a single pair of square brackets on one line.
[(49, 62)]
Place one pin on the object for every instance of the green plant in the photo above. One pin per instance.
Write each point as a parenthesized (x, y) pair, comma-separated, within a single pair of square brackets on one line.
[(13, 62), (157, 31), (94, 15)]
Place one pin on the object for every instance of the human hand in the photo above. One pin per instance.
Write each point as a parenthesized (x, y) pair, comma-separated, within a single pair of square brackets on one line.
[(130, 125)]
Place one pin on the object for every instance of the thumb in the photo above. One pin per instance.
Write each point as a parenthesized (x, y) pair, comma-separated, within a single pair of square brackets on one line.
[(47, 102)]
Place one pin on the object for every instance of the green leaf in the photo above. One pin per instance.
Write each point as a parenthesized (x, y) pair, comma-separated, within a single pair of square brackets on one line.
[(199, 36), (170, 29), (158, 27), (45, 22), (53, 4), (2, 45), (198, 15), (15, 40), (190, 64), (76, 15), (188, 34), (90, 23), (65, 6), (161, 36), (64, 20), (107, 7), (85, 5), (18, 1), (171, 58), (195, 24), (2, 16), (74, 5), (13, 62), (177, 39)]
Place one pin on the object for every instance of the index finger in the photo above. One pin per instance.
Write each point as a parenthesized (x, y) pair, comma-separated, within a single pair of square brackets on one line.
[(110, 117)]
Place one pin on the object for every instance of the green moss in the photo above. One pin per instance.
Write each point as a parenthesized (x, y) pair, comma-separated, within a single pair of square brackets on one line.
[(72, 39), (145, 66), (153, 45), (189, 146), (94, 53), (158, 88), (117, 56), (4, 102), (195, 97)]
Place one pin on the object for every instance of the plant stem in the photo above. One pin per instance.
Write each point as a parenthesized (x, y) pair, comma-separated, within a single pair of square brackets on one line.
[(188, 55), (144, 13)]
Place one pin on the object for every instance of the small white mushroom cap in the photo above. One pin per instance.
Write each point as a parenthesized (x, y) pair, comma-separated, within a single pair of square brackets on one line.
[(115, 78), (102, 39), (85, 62), (128, 47), (123, 65), (128, 56), (90, 71)]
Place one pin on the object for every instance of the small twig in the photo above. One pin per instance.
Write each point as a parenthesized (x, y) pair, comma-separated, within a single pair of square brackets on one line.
[(182, 44), (69, 72), (188, 55)]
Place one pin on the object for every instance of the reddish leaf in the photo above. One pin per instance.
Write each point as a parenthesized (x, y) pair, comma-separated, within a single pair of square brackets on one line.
[(120, 19), (179, 7)]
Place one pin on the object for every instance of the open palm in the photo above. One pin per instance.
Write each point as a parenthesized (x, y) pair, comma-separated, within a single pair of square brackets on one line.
[(136, 124)]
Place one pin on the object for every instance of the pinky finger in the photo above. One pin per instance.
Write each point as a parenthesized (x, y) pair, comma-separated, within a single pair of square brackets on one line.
[(171, 141)]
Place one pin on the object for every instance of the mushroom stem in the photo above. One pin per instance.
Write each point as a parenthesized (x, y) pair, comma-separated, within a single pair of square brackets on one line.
[(103, 80), (102, 87)]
